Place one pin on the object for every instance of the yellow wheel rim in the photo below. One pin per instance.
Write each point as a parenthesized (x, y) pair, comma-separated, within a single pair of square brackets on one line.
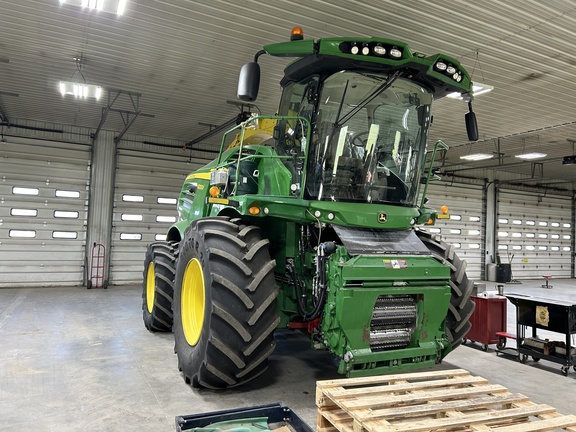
[(150, 287), (192, 301)]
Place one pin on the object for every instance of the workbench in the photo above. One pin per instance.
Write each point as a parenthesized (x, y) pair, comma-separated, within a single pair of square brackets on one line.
[(547, 314)]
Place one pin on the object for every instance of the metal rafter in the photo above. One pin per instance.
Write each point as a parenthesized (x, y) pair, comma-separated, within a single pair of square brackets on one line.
[(215, 129), (128, 117)]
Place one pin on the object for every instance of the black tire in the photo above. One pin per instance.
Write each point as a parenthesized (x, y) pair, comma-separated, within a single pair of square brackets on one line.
[(501, 343), (158, 285), (461, 306), (225, 309)]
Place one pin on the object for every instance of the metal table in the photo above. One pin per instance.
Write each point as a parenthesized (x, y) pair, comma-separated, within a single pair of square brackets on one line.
[(547, 314)]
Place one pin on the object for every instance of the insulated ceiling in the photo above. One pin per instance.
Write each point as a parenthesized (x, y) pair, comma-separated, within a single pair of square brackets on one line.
[(180, 60)]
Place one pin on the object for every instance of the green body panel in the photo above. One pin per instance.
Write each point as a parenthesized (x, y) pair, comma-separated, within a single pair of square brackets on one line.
[(331, 47), (357, 282)]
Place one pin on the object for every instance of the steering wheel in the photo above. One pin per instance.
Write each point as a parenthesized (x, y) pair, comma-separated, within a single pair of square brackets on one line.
[(359, 139)]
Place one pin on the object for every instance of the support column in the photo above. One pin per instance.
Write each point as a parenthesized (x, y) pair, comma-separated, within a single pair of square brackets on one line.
[(101, 197), (491, 223)]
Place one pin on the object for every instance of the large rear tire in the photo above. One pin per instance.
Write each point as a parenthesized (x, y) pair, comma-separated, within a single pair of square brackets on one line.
[(461, 306), (224, 303), (158, 285)]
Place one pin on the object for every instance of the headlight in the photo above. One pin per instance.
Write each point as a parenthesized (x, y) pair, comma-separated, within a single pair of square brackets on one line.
[(441, 66), (354, 49), (451, 70), (395, 52), (380, 50)]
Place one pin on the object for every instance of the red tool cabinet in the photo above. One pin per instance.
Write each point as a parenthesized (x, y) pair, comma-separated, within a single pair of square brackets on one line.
[(488, 318)]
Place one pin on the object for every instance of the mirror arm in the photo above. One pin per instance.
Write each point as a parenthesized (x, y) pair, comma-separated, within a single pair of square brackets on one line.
[(258, 54)]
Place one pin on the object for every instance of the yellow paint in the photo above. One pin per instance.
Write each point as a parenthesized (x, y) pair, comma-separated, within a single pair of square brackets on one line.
[(218, 201), (254, 135), (201, 176), (150, 287), (192, 301)]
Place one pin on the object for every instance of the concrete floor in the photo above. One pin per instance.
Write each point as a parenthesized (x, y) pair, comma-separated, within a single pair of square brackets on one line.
[(73, 359)]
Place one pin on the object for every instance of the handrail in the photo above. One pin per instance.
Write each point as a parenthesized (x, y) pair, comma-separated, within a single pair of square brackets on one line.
[(439, 145)]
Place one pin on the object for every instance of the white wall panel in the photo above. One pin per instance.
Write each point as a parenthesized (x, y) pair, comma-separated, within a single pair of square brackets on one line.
[(535, 234), (43, 230), (465, 227)]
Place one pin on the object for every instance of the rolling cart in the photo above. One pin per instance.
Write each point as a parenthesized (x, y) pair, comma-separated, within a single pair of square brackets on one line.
[(547, 314)]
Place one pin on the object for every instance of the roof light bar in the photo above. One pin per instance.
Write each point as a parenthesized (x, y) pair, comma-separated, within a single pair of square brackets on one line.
[(79, 90), (532, 155), (477, 156), (117, 7), (477, 89)]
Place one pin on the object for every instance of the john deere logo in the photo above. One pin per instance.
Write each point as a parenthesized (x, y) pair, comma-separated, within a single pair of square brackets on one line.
[(382, 218)]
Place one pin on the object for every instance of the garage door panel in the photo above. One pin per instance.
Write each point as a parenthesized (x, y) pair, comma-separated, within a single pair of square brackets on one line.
[(24, 170), (465, 227), (139, 218), (45, 257), (19, 234), (53, 276), (537, 230), (66, 214), (44, 212), (47, 153)]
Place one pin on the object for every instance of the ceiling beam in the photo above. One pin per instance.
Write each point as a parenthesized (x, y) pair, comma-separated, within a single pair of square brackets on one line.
[(113, 95)]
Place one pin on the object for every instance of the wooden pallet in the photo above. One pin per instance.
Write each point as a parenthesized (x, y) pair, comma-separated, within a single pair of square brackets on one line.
[(452, 400)]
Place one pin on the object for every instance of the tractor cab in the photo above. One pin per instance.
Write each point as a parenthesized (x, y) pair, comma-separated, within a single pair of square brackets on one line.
[(368, 105), (368, 135)]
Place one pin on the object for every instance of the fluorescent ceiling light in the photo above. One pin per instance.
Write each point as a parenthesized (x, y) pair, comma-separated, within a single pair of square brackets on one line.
[(112, 6), (477, 156), (533, 155), (79, 90), (477, 89)]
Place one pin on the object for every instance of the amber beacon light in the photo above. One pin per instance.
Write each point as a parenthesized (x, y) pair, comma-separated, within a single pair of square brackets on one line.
[(297, 34)]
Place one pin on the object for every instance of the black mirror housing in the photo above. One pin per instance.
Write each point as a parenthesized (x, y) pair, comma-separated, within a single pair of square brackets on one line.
[(249, 82), (471, 126)]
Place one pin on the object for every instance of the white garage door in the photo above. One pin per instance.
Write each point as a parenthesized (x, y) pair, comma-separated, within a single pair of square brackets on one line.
[(147, 186), (535, 234), (44, 197), (465, 227)]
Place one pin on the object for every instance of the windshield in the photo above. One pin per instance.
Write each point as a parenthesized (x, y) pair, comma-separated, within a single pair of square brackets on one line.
[(369, 139)]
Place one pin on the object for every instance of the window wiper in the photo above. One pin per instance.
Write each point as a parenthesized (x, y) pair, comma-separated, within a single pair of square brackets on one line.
[(385, 85)]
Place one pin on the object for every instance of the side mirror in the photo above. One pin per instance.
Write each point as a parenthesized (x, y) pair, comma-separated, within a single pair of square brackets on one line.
[(471, 125), (249, 82)]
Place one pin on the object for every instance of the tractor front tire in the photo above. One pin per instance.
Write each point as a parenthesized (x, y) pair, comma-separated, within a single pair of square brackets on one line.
[(461, 306), (224, 303), (158, 285)]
